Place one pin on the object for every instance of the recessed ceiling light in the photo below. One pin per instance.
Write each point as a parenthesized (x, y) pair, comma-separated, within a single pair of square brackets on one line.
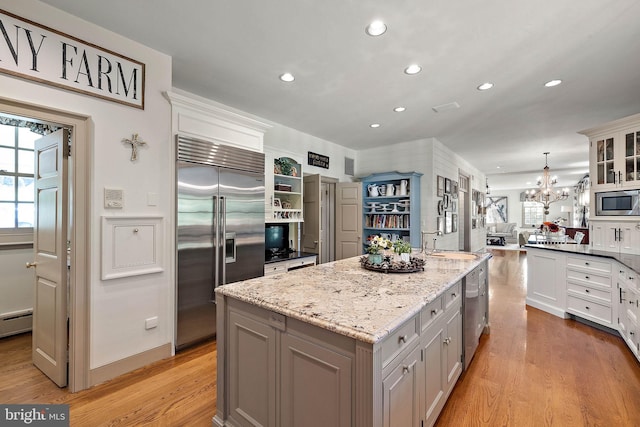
[(497, 167), (287, 77), (485, 86), (376, 28), (374, 125), (413, 69), (399, 109), (552, 83)]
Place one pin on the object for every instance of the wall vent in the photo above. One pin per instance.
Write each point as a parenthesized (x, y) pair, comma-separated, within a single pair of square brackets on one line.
[(445, 107), (349, 166)]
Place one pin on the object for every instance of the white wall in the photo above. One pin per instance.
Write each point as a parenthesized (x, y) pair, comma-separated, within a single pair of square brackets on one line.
[(16, 285), (293, 141), (118, 307)]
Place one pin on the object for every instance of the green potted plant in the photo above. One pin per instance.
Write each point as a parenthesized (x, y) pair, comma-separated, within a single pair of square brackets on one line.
[(402, 248)]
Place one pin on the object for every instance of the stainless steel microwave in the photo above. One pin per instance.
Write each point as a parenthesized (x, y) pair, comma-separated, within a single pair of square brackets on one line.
[(618, 203)]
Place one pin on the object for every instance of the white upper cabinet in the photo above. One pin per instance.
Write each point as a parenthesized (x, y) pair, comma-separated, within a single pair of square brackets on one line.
[(614, 154)]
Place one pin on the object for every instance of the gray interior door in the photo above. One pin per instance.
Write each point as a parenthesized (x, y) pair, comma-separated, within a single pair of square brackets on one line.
[(50, 343), (311, 241), (348, 219)]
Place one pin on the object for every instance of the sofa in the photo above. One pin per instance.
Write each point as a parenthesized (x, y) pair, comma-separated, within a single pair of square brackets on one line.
[(505, 232)]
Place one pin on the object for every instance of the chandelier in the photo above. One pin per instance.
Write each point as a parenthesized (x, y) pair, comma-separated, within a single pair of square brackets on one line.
[(545, 193)]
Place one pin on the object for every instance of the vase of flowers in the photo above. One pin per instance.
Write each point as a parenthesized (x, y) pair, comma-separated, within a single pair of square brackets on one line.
[(376, 247), (549, 227)]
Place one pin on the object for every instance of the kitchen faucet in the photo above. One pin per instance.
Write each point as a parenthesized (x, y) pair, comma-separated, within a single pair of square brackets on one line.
[(424, 243)]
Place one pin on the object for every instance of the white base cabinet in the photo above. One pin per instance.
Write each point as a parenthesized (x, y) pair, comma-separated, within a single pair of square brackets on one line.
[(595, 288), (628, 300), (290, 264), (278, 371)]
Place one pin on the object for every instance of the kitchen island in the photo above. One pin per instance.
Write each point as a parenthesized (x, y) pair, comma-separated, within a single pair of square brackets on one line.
[(339, 345)]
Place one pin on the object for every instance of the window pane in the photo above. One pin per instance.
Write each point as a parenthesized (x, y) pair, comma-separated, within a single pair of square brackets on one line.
[(25, 189), (25, 215), (7, 215), (26, 138), (7, 135), (25, 161), (7, 159), (7, 188)]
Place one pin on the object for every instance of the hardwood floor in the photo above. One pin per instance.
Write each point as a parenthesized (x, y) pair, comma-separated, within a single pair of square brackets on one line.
[(180, 391), (533, 370)]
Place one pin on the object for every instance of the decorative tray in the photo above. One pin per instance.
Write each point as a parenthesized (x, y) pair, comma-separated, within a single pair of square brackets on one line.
[(387, 266)]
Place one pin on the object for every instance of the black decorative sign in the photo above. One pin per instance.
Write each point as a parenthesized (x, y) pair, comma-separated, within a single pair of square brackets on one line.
[(318, 160)]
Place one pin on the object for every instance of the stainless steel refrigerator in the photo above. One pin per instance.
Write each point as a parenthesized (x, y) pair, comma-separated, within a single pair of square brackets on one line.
[(220, 229)]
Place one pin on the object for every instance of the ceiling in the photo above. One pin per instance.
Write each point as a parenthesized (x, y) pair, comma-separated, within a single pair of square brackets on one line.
[(232, 51)]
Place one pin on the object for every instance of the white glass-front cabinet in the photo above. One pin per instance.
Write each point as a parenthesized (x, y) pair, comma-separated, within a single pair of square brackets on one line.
[(283, 188), (614, 154)]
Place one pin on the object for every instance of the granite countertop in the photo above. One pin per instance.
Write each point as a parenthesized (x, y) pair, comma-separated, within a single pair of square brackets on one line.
[(345, 298), (630, 260)]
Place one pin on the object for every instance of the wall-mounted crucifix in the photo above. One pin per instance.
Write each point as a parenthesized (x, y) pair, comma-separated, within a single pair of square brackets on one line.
[(134, 142)]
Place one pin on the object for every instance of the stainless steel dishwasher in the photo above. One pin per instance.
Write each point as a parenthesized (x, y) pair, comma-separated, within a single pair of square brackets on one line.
[(476, 309)]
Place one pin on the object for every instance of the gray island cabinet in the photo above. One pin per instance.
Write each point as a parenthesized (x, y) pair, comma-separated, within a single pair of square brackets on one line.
[(337, 345)]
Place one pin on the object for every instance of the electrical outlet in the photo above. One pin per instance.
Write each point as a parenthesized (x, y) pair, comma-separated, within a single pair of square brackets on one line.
[(151, 322)]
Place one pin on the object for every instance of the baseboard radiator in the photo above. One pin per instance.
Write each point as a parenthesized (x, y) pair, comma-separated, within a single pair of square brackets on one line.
[(15, 322)]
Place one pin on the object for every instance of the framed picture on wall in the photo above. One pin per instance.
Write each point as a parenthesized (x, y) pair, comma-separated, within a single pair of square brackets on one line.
[(454, 223), (447, 186), (440, 224), (440, 186), (454, 189), (448, 227)]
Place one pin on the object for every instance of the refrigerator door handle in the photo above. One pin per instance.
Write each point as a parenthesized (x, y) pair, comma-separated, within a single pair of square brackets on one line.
[(223, 229), (216, 245)]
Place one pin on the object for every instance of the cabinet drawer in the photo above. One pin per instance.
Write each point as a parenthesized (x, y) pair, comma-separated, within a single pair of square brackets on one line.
[(589, 278), (452, 295), (431, 312), (589, 264), (399, 340), (595, 293), (275, 268), (590, 310)]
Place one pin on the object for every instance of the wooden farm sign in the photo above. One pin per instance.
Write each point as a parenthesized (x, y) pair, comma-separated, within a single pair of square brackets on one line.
[(35, 52)]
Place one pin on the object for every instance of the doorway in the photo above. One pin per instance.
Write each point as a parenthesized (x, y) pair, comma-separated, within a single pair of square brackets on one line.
[(464, 206), (327, 220), (78, 231)]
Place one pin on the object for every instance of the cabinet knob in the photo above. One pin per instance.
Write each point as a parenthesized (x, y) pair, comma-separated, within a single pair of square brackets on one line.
[(434, 312), (453, 295), (586, 290), (631, 333), (405, 369), (402, 338), (588, 308), (586, 277), (447, 340), (586, 263)]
